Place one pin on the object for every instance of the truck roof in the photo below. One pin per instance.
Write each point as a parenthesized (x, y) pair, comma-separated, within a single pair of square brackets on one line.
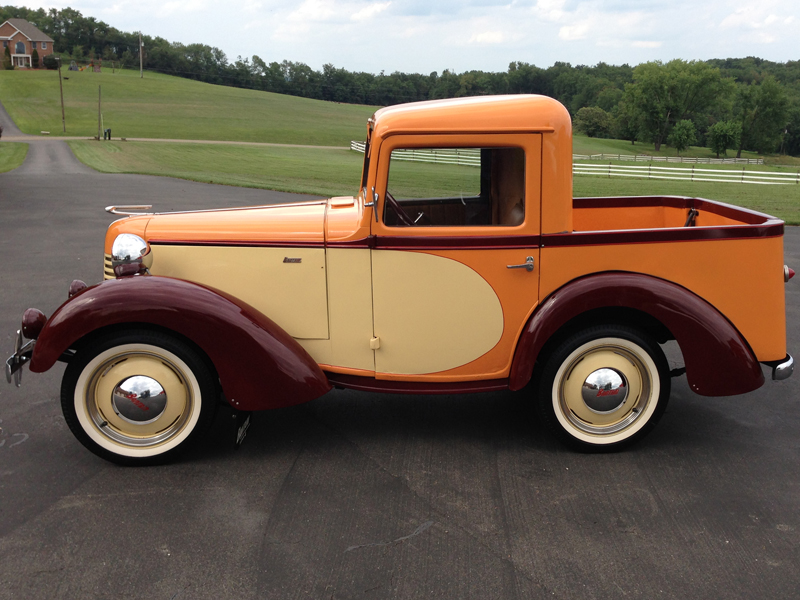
[(477, 114)]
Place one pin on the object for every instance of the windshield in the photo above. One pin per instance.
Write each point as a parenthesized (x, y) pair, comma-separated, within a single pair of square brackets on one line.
[(365, 171)]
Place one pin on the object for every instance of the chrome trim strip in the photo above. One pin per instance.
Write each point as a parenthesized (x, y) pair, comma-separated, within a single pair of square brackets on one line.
[(125, 209)]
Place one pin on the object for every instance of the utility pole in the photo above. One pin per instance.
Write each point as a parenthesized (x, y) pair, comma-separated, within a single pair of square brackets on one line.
[(99, 122), (141, 73), (61, 87)]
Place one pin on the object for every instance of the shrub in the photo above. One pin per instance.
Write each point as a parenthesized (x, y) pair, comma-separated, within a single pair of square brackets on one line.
[(7, 60), (35, 59), (50, 62)]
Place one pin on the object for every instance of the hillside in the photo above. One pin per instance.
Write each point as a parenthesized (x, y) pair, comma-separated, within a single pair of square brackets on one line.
[(162, 106)]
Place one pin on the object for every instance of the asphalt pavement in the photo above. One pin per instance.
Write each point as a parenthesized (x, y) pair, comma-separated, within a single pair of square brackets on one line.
[(358, 495)]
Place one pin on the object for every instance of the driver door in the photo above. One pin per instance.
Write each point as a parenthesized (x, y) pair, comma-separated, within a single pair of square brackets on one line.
[(455, 264)]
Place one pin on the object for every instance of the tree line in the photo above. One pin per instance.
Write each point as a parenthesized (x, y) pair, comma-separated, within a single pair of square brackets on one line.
[(730, 104)]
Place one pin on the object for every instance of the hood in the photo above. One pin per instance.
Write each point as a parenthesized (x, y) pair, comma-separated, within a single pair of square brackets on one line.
[(297, 223)]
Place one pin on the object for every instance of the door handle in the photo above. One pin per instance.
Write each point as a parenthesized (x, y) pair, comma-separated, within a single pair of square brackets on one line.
[(527, 265)]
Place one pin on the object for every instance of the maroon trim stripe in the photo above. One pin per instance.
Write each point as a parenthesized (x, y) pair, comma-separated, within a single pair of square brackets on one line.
[(738, 213), (651, 236), (456, 242), (370, 384)]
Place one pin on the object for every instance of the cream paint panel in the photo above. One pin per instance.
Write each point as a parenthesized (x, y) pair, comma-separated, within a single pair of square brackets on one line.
[(431, 313), (350, 311), (293, 295)]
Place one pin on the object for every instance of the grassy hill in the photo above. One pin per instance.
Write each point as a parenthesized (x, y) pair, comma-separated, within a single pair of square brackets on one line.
[(162, 106)]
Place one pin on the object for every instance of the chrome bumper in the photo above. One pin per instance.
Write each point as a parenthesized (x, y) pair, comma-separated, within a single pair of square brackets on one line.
[(781, 369), (22, 354)]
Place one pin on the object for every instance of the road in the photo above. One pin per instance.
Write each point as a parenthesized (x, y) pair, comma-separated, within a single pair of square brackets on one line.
[(358, 495)]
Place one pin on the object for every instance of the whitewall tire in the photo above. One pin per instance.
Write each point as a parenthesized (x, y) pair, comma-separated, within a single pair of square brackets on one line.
[(138, 397), (604, 387)]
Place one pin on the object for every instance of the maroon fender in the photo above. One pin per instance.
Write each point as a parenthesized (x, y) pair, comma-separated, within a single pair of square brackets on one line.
[(719, 362), (259, 365)]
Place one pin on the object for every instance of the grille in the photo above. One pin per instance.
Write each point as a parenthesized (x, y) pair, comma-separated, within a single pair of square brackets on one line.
[(108, 271)]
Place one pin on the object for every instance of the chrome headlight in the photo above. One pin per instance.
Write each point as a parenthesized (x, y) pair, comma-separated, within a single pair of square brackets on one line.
[(129, 248)]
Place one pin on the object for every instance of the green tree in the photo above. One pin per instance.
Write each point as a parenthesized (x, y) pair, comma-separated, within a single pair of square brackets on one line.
[(763, 115), (35, 59), (626, 121), (683, 135), (664, 94), (7, 60), (723, 135), (593, 121)]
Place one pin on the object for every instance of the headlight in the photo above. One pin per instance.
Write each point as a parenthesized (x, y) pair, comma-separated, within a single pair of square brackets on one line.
[(129, 248)]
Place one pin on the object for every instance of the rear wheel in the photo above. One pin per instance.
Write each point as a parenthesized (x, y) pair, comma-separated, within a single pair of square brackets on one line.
[(604, 387), (138, 397)]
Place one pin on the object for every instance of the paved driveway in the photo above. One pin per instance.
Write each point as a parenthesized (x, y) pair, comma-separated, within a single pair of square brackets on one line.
[(367, 496)]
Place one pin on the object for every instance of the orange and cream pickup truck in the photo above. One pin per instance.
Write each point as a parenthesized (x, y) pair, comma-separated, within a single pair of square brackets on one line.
[(464, 264)]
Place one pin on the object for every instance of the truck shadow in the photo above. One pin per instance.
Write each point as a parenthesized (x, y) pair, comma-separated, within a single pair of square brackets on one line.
[(505, 421)]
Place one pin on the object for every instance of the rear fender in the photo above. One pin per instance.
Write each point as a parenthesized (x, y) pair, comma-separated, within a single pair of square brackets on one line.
[(718, 360), (259, 365)]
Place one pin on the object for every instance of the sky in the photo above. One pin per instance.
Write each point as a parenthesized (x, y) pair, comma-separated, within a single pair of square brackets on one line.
[(423, 36)]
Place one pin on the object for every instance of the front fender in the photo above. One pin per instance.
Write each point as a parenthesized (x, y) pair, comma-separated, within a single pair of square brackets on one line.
[(718, 360), (259, 365)]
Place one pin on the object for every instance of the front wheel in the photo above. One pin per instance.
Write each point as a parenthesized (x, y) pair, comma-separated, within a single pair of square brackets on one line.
[(138, 397), (604, 387)]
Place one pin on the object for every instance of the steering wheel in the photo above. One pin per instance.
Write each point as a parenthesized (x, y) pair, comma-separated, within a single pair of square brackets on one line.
[(401, 214)]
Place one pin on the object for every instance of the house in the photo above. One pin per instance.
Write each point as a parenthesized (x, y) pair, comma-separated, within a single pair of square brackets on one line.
[(22, 38)]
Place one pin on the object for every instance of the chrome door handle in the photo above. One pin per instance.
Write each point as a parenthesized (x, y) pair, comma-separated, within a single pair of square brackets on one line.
[(527, 265)]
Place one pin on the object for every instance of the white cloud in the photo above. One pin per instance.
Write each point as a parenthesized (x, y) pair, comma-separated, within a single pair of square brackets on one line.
[(180, 7), (488, 37), (573, 32), (369, 11), (313, 11), (550, 10), (251, 6), (645, 44)]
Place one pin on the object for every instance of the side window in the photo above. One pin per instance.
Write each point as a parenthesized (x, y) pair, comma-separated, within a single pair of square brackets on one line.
[(455, 187), (44, 45)]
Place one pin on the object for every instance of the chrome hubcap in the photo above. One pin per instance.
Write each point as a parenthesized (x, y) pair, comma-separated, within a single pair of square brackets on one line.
[(139, 399), (604, 390)]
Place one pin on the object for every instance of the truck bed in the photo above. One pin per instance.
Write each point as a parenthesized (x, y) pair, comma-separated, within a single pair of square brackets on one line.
[(731, 257), (667, 212)]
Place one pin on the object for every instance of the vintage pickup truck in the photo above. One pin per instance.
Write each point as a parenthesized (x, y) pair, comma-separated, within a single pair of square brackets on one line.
[(463, 265)]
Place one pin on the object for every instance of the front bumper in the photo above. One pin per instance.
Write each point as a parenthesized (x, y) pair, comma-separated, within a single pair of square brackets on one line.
[(22, 354), (781, 369)]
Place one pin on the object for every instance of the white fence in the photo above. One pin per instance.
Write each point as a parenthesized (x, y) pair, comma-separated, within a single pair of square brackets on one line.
[(670, 159), (686, 174), (471, 157)]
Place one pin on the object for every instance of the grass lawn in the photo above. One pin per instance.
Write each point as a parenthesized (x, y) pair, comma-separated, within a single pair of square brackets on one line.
[(162, 106), (332, 172), (322, 171), (12, 155)]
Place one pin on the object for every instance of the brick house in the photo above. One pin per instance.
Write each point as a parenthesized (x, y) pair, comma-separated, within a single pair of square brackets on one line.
[(22, 38)]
